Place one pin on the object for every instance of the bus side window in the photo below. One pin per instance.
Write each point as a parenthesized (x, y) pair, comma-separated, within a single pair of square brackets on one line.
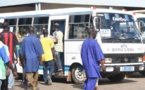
[(40, 23), (77, 25), (23, 23), (12, 24)]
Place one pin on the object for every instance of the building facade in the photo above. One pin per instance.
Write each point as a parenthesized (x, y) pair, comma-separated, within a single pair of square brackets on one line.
[(30, 5)]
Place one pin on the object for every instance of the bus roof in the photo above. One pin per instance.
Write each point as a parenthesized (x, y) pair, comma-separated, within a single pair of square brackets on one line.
[(63, 11), (139, 15)]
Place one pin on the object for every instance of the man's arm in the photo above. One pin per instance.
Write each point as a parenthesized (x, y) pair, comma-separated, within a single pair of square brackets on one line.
[(15, 42), (99, 55), (102, 65), (6, 59), (39, 49), (53, 52), (13, 70)]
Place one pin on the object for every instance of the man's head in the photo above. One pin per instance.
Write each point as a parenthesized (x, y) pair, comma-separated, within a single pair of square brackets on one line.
[(1, 38), (56, 26), (5, 26), (92, 33), (45, 32), (31, 30), (24, 31)]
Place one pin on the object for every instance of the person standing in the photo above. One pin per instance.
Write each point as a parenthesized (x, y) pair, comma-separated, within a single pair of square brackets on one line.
[(92, 56), (58, 48), (24, 34), (31, 51), (48, 57), (4, 60), (11, 41)]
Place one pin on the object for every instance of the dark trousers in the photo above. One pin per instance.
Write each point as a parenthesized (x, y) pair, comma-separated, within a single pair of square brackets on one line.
[(48, 66), (4, 84)]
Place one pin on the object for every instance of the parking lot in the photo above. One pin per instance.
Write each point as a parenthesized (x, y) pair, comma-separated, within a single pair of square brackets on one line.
[(131, 82)]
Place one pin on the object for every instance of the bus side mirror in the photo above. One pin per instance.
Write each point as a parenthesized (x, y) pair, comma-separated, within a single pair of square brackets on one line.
[(141, 27), (97, 23)]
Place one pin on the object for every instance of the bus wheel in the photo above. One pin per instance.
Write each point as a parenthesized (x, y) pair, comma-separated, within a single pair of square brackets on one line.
[(117, 78), (78, 74), (142, 73)]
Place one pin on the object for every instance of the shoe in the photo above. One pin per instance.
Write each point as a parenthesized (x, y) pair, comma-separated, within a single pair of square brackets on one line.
[(29, 87), (49, 80)]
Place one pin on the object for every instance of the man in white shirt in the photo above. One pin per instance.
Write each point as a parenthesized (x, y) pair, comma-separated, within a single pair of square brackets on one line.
[(58, 48)]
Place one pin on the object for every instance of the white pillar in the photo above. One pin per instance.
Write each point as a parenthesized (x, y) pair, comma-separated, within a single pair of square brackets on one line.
[(37, 6)]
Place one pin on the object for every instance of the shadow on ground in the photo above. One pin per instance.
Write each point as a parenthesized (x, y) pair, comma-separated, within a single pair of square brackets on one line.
[(135, 75)]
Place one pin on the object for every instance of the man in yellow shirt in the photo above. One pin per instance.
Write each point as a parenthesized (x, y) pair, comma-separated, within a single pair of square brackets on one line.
[(48, 57)]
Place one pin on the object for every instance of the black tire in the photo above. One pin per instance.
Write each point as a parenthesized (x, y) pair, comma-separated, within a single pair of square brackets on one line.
[(116, 78), (78, 74), (142, 73)]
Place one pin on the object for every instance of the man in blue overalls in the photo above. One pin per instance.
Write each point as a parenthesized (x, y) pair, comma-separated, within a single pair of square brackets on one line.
[(92, 56)]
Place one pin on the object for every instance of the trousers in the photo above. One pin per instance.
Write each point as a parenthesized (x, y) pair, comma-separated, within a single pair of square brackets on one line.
[(32, 79), (90, 83)]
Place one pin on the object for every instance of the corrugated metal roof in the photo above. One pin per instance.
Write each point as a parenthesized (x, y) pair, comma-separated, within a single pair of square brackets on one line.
[(123, 3)]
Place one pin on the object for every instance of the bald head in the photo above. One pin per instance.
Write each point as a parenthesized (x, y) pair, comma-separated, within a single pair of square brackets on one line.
[(92, 33), (5, 26), (31, 30), (24, 31)]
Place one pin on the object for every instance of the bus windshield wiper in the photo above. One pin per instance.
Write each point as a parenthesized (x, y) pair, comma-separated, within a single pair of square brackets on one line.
[(131, 39), (111, 38)]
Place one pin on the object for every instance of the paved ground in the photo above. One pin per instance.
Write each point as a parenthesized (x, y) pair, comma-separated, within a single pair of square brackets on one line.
[(133, 82)]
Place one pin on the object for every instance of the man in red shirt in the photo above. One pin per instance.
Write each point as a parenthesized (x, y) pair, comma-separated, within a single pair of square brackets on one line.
[(11, 41)]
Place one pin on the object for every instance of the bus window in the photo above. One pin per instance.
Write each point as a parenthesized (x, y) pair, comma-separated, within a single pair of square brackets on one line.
[(12, 24), (61, 26), (77, 26), (40, 23), (24, 23)]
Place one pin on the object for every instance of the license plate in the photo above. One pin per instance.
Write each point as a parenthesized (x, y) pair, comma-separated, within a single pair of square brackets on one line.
[(129, 68)]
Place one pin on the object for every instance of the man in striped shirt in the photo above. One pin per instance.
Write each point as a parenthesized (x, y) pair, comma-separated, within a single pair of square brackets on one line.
[(11, 41)]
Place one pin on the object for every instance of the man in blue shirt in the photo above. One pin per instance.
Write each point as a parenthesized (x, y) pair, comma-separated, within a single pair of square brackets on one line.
[(92, 56), (31, 51)]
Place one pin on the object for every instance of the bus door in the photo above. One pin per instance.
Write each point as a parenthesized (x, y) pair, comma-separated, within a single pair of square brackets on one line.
[(63, 26)]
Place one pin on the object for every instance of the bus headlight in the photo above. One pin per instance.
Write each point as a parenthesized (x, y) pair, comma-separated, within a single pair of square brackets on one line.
[(140, 59), (108, 60)]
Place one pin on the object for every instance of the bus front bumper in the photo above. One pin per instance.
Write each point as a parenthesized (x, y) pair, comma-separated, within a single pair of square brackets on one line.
[(126, 67)]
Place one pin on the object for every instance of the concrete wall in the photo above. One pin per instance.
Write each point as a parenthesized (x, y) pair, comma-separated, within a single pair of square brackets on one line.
[(17, 8)]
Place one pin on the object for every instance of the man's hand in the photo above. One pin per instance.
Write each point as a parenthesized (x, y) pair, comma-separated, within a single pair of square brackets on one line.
[(16, 61), (20, 63), (8, 72), (103, 69), (15, 74), (54, 59), (41, 63)]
